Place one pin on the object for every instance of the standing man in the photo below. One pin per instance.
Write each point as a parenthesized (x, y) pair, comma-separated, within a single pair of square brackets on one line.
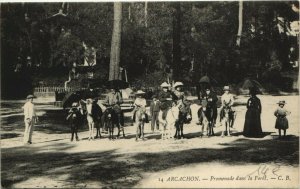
[(29, 119), (154, 111), (165, 97)]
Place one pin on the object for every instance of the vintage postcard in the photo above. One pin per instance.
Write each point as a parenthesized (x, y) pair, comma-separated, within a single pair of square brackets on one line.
[(150, 94)]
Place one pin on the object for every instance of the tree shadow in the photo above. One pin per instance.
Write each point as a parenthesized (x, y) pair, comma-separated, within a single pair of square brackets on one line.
[(112, 169), (9, 135)]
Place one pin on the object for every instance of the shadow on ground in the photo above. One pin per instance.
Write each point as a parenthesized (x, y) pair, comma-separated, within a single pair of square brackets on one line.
[(126, 169)]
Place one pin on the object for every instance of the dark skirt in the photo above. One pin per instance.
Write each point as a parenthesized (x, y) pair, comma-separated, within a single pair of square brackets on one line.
[(282, 123), (252, 126)]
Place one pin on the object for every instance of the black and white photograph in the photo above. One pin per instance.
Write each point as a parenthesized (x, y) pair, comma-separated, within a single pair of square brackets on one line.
[(149, 94)]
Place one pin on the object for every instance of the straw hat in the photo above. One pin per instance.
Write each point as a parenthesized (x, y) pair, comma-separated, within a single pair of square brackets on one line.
[(75, 104), (178, 84), (281, 102), (165, 84), (30, 96), (140, 92), (226, 88)]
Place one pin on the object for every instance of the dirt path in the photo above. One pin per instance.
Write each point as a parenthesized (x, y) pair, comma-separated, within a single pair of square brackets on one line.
[(53, 161)]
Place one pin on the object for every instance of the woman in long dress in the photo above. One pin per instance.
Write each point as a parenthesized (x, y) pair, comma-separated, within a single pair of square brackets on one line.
[(252, 126)]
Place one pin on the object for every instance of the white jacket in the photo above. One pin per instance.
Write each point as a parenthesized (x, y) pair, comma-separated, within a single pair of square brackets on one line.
[(29, 110)]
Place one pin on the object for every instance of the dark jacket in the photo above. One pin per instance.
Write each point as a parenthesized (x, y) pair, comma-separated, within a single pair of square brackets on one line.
[(154, 107), (165, 104), (96, 111), (212, 99)]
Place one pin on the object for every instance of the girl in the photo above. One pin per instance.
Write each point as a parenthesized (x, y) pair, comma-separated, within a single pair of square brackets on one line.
[(281, 121)]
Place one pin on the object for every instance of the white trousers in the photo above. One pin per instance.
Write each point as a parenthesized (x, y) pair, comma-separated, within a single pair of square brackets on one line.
[(28, 131)]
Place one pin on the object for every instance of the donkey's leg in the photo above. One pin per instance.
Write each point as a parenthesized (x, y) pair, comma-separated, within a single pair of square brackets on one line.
[(222, 123), (108, 125), (72, 131), (202, 130), (142, 130), (181, 128), (137, 131), (228, 125), (92, 130), (212, 128)]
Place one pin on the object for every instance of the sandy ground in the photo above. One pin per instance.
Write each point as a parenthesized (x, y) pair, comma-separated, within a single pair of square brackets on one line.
[(53, 161)]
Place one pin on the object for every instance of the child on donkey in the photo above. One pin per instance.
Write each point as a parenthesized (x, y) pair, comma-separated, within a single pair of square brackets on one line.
[(74, 116), (281, 120)]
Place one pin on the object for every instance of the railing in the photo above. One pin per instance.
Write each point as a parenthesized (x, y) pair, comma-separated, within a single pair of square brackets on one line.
[(52, 89), (50, 92)]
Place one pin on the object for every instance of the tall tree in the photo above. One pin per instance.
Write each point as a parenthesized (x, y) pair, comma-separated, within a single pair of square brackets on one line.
[(239, 34), (176, 40), (114, 66)]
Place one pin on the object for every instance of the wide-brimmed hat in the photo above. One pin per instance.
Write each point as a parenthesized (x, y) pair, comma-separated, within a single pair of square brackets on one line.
[(75, 104), (281, 102), (165, 84), (226, 88), (30, 96), (178, 84), (139, 92), (207, 89)]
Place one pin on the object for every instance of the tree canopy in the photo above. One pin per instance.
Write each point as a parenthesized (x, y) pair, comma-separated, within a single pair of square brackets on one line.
[(191, 39)]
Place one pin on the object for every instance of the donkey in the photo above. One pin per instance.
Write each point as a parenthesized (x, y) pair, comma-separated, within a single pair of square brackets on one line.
[(206, 113), (185, 116), (139, 120), (170, 122), (227, 118)]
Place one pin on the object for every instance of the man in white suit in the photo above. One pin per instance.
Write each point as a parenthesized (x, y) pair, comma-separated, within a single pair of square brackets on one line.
[(29, 119)]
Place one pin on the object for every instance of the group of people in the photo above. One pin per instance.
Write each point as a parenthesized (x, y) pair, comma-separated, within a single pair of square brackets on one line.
[(165, 100)]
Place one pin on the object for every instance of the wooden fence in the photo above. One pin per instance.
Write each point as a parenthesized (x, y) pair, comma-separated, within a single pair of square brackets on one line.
[(50, 92)]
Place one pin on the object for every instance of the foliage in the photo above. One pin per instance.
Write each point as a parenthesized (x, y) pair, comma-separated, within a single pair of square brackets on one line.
[(207, 39)]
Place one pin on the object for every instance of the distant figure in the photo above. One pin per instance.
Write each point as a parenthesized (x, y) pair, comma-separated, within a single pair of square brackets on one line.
[(252, 126), (281, 121), (154, 111), (29, 119), (74, 116)]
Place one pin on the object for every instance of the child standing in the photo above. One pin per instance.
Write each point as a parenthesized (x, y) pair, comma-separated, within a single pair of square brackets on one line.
[(281, 121)]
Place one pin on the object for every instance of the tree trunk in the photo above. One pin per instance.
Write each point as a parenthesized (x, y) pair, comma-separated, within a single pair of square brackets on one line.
[(146, 13), (114, 66), (176, 40), (239, 34)]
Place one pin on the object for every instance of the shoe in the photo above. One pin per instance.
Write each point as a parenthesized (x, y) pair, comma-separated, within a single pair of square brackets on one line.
[(29, 142)]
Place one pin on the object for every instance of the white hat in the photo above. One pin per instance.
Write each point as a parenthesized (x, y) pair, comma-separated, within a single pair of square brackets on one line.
[(178, 84), (140, 92), (75, 104), (165, 84), (226, 88)]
